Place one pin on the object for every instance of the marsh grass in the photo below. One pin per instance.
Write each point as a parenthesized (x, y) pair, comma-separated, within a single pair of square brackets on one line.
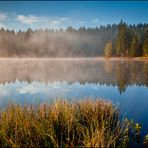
[(87, 123)]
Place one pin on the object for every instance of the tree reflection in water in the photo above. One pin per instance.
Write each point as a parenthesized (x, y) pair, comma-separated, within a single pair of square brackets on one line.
[(121, 73)]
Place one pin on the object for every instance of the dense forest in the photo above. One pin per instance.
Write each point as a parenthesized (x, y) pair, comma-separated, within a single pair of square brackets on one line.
[(110, 40)]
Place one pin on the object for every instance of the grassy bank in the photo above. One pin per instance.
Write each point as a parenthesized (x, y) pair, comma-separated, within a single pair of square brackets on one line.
[(84, 123)]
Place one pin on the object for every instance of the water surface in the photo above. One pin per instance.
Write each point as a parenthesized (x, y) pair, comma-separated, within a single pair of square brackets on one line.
[(124, 82)]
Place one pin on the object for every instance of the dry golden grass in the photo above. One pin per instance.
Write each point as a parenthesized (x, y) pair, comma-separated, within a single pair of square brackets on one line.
[(85, 123)]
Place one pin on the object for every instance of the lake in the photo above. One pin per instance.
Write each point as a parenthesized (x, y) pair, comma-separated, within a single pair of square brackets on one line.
[(33, 81)]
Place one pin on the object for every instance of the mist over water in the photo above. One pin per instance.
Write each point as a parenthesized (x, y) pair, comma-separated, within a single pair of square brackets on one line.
[(90, 70)]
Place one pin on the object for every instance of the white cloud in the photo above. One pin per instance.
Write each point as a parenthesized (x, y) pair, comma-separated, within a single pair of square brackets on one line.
[(95, 20), (65, 19), (16, 21), (30, 19), (57, 20), (41, 20), (3, 16)]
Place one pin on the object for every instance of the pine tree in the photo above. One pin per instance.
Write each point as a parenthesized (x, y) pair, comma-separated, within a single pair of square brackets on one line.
[(127, 42), (120, 39), (108, 49), (123, 40), (145, 45), (134, 46)]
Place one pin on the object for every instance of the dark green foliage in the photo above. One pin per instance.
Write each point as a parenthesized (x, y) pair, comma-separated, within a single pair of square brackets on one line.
[(134, 46), (123, 40), (145, 44), (131, 40)]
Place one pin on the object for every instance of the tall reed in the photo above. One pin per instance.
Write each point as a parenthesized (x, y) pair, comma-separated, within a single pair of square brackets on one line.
[(87, 123)]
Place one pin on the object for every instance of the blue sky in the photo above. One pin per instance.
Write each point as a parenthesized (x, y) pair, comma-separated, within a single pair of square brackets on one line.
[(53, 14)]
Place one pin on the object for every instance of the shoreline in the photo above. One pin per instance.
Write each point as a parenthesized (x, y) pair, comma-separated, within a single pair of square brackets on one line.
[(79, 58)]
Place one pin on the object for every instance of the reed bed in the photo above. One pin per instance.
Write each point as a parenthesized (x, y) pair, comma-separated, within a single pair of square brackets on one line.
[(87, 123)]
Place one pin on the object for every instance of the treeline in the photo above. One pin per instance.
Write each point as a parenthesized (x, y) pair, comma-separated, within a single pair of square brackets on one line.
[(111, 40), (131, 41)]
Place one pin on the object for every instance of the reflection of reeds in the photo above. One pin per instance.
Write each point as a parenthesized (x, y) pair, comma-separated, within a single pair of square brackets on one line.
[(85, 123)]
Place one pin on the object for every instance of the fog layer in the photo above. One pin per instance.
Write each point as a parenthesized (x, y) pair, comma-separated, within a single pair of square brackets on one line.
[(83, 42)]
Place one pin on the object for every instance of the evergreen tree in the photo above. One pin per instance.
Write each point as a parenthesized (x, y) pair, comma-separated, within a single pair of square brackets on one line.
[(123, 40), (120, 39), (127, 42), (134, 46), (145, 45), (108, 49)]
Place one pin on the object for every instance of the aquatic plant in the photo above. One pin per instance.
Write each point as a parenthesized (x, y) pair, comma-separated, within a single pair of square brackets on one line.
[(146, 140), (87, 123)]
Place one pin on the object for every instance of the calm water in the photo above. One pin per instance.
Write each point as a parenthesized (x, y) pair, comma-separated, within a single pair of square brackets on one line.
[(34, 81)]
